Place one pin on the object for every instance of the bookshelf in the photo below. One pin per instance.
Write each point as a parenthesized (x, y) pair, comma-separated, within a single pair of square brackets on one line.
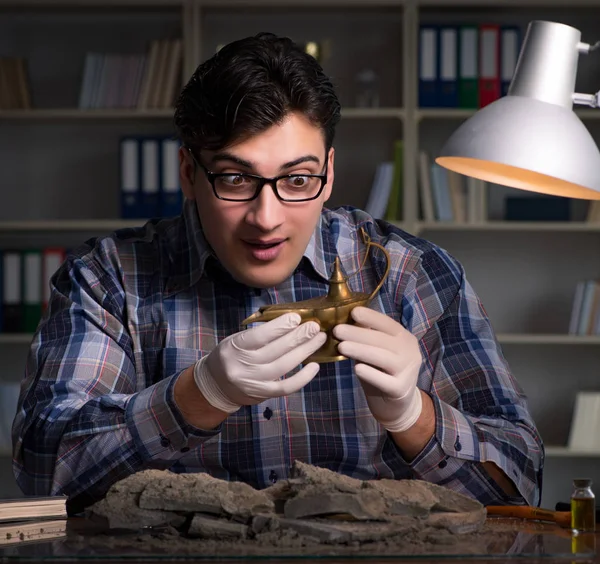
[(515, 226), (63, 189), (524, 271)]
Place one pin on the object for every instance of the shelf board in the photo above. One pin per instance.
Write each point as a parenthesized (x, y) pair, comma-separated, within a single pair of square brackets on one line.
[(87, 3), (69, 225), (564, 452), (373, 113), (303, 3), (74, 114), (509, 226), (443, 113), (503, 338), (547, 339), (61, 114), (506, 3), (588, 113), (459, 114), (15, 338)]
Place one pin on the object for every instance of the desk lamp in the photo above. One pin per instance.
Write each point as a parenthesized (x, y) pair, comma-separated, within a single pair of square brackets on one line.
[(531, 139)]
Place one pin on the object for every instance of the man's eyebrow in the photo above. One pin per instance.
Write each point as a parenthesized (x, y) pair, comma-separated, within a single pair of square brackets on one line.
[(249, 165), (229, 157), (304, 159)]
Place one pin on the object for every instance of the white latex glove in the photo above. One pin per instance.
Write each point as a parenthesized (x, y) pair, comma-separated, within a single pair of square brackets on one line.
[(245, 368), (388, 360)]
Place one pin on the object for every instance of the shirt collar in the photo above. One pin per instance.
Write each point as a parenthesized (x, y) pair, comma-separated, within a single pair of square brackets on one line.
[(318, 250), (190, 251)]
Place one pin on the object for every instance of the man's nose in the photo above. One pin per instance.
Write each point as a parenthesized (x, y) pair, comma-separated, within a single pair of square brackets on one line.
[(266, 211)]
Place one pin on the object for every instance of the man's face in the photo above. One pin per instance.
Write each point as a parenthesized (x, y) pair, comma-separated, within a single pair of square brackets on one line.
[(261, 242)]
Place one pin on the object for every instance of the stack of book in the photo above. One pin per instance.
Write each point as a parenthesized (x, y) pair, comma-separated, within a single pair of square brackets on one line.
[(443, 195), (14, 85), (467, 65), (146, 81), (593, 214), (387, 194), (32, 519), (25, 286), (449, 196), (149, 171), (585, 312), (583, 435)]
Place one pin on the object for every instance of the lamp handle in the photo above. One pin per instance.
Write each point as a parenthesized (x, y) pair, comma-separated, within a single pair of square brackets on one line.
[(369, 243), (591, 100)]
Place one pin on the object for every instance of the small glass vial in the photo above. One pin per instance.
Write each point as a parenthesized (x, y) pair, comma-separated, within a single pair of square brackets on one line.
[(583, 507)]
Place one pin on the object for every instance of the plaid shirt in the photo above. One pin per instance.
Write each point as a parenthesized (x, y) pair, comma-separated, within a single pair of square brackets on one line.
[(129, 312)]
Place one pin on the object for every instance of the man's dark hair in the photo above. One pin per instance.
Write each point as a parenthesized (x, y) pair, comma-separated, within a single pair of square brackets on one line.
[(250, 85)]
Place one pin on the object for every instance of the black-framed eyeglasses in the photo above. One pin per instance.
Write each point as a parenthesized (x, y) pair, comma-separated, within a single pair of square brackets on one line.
[(242, 187)]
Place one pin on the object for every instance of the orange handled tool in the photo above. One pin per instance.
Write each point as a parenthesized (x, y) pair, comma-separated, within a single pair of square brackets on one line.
[(562, 518)]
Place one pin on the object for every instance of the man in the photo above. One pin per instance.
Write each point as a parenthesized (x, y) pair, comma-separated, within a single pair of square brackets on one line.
[(141, 362)]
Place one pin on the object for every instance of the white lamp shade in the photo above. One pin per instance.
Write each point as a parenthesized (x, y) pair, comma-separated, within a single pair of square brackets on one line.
[(529, 144), (531, 139)]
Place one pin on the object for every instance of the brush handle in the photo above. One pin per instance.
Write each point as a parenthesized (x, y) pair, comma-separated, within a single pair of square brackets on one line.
[(562, 518), (563, 506)]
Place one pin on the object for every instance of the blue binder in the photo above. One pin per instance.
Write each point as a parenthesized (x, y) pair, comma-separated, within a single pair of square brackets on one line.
[(150, 178), (129, 164), (510, 44), (428, 66), (447, 58), (171, 198)]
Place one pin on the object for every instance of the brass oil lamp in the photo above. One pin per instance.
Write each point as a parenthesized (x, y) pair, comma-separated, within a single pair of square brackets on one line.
[(330, 310)]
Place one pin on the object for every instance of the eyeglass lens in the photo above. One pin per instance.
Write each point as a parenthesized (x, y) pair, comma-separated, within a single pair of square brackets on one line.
[(242, 187)]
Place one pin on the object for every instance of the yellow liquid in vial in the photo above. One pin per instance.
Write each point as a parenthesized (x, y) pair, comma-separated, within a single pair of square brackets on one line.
[(583, 543), (583, 514)]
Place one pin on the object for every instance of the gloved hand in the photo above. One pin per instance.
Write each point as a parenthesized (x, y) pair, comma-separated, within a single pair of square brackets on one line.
[(245, 368), (388, 362)]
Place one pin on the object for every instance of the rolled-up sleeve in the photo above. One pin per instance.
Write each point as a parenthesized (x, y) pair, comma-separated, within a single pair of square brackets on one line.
[(86, 417), (481, 410)]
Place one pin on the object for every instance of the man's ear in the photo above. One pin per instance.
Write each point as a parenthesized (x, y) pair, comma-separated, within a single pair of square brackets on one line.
[(330, 174), (187, 173)]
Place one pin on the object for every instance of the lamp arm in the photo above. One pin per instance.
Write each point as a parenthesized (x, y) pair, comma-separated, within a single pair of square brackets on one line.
[(592, 100), (585, 48)]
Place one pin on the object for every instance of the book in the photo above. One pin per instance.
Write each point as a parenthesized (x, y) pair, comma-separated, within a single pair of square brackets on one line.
[(585, 421), (33, 508), (32, 531)]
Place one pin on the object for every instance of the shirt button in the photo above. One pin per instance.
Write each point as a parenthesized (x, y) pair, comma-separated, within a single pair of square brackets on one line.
[(164, 441), (457, 446), (443, 464), (273, 476), (268, 413), (185, 449)]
